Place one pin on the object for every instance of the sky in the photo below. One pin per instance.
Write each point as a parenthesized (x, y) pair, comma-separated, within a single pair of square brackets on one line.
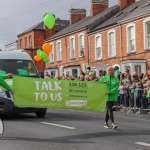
[(17, 16)]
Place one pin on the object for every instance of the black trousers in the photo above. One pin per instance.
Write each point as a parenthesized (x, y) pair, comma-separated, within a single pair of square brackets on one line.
[(109, 112)]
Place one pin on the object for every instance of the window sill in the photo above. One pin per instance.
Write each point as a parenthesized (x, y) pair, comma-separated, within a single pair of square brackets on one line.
[(58, 61), (72, 58), (51, 62), (147, 49), (81, 56), (131, 53), (113, 57), (98, 59)]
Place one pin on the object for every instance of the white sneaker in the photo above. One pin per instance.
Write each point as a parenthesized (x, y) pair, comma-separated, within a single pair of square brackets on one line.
[(114, 126), (106, 125)]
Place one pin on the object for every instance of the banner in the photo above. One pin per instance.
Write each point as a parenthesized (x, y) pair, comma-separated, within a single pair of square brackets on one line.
[(63, 94)]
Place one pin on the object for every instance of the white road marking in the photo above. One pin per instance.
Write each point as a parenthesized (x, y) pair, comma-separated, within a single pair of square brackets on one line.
[(143, 144), (58, 125)]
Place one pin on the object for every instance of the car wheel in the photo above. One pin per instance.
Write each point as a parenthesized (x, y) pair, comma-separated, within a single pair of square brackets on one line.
[(41, 114)]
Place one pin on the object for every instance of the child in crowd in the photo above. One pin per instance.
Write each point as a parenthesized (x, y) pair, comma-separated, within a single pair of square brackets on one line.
[(121, 92)]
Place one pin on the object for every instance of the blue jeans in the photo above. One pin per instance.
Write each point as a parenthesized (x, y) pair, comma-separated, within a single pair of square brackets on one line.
[(148, 103), (143, 102), (122, 99)]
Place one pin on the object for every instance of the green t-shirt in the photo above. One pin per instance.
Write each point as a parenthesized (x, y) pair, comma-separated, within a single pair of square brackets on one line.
[(148, 94)]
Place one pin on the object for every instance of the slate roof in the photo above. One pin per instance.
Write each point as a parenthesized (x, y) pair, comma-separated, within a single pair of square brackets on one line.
[(143, 7), (60, 25), (88, 22), (136, 9)]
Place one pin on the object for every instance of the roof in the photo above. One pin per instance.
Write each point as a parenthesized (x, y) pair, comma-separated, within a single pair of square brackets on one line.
[(143, 7), (15, 54), (60, 24), (88, 22), (132, 11)]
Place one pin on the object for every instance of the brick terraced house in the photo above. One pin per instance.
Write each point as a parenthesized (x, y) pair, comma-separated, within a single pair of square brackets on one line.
[(124, 39)]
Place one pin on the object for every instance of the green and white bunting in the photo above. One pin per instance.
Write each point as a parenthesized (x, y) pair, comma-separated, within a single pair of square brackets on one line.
[(62, 94)]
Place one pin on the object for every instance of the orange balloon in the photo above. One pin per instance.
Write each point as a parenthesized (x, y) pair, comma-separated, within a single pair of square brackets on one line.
[(37, 58), (47, 48)]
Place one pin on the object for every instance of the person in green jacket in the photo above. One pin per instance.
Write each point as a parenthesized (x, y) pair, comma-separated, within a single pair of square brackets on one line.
[(112, 93), (4, 84)]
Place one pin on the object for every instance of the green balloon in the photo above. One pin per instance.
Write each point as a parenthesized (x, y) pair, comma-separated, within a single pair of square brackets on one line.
[(38, 52), (45, 59), (49, 21), (43, 54)]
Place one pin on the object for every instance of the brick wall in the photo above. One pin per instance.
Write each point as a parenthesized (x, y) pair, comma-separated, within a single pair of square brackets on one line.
[(38, 38), (23, 36), (65, 45), (141, 53), (121, 45), (125, 3), (76, 15), (98, 6)]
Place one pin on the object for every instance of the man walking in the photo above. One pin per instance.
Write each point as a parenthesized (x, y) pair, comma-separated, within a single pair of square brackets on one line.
[(112, 93)]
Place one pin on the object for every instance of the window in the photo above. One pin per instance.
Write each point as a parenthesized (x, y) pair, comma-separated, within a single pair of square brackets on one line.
[(132, 9), (128, 68), (18, 67), (81, 45), (72, 47), (75, 72), (138, 69), (146, 4), (98, 47), (147, 33), (20, 43), (26, 44), (111, 44), (30, 41), (58, 47), (52, 54), (67, 72), (53, 74), (120, 13), (131, 38)]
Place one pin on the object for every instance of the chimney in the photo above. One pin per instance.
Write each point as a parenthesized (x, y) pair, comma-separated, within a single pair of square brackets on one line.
[(98, 6), (49, 32), (125, 3), (76, 15)]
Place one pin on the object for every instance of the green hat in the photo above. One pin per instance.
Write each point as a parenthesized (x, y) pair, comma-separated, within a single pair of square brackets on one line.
[(116, 68)]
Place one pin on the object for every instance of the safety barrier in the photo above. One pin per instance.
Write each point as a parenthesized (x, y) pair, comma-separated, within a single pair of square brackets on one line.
[(134, 100)]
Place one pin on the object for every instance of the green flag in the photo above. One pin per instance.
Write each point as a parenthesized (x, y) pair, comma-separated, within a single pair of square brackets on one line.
[(63, 94)]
